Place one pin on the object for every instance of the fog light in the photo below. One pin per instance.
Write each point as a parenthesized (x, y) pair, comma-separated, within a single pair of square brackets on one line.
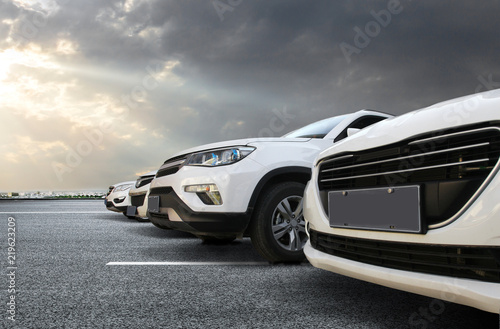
[(208, 193), (119, 200)]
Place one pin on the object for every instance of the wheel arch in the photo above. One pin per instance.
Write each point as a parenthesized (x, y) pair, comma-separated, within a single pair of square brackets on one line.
[(283, 174)]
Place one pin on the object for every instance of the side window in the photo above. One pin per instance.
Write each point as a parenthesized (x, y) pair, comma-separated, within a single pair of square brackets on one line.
[(360, 123)]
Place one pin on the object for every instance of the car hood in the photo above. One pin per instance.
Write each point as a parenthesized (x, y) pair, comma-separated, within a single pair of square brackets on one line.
[(241, 142), (151, 173), (481, 107), (124, 183)]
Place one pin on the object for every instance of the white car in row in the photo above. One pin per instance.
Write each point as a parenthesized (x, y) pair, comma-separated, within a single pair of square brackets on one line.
[(138, 197), (118, 198), (413, 203), (249, 187)]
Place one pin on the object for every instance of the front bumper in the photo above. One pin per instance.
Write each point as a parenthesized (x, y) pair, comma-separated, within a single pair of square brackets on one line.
[(478, 226), (166, 209), (481, 295), (110, 205), (139, 200), (187, 211), (118, 202)]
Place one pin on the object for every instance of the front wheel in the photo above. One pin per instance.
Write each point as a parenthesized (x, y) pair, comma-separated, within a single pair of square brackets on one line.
[(278, 228)]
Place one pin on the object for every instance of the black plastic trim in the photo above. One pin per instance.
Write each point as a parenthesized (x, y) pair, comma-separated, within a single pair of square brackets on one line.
[(459, 261), (202, 223), (293, 170)]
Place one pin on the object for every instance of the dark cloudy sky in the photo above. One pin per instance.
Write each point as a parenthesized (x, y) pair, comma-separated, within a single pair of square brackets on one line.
[(95, 92)]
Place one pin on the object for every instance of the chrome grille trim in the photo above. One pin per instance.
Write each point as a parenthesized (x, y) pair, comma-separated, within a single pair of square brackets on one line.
[(468, 132), (461, 154), (406, 157), (171, 167), (480, 190), (337, 159), (172, 164), (405, 170)]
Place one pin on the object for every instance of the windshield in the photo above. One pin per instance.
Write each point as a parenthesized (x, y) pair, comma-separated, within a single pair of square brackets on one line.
[(318, 129)]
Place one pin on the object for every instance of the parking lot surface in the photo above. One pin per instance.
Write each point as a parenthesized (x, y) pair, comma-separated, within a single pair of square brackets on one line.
[(78, 265)]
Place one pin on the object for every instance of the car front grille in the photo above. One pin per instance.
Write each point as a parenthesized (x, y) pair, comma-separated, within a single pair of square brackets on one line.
[(160, 190), (450, 166), (171, 166), (137, 200), (143, 181), (479, 263)]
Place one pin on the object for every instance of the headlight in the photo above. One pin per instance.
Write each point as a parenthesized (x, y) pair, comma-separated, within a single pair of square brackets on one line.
[(219, 157), (123, 187)]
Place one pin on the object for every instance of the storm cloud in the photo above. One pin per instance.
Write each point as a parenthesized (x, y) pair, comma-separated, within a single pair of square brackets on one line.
[(95, 92)]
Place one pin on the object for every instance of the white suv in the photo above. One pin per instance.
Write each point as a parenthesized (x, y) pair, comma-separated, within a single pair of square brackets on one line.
[(248, 187), (138, 197)]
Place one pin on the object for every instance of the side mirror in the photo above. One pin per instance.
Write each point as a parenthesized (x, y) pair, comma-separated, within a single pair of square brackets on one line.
[(352, 131)]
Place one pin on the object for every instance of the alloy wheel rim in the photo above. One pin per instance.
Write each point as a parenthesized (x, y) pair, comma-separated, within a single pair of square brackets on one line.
[(288, 224)]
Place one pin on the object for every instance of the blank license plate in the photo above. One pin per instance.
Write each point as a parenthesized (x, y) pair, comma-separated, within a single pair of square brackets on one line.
[(131, 211), (154, 203), (395, 209)]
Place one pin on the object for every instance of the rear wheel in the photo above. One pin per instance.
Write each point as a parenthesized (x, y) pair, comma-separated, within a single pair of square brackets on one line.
[(278, 227)]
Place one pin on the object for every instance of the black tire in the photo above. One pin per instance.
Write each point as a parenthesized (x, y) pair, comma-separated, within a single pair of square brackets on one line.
[(270, 217)]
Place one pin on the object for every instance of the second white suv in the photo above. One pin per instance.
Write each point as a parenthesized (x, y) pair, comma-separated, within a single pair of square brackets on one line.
[(138, 197), (248, 187)]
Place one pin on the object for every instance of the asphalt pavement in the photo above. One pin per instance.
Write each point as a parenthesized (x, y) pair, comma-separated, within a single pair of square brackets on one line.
[(73, 264)]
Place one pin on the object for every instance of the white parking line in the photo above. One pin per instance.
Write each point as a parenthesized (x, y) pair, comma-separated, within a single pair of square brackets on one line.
[(54, 212), (189, 263)]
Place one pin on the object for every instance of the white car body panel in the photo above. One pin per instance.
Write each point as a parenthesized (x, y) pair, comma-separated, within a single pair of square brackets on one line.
[(482, 295), (456, 112), (236, 182), (477, 224), (143, 190), (117, 194)]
